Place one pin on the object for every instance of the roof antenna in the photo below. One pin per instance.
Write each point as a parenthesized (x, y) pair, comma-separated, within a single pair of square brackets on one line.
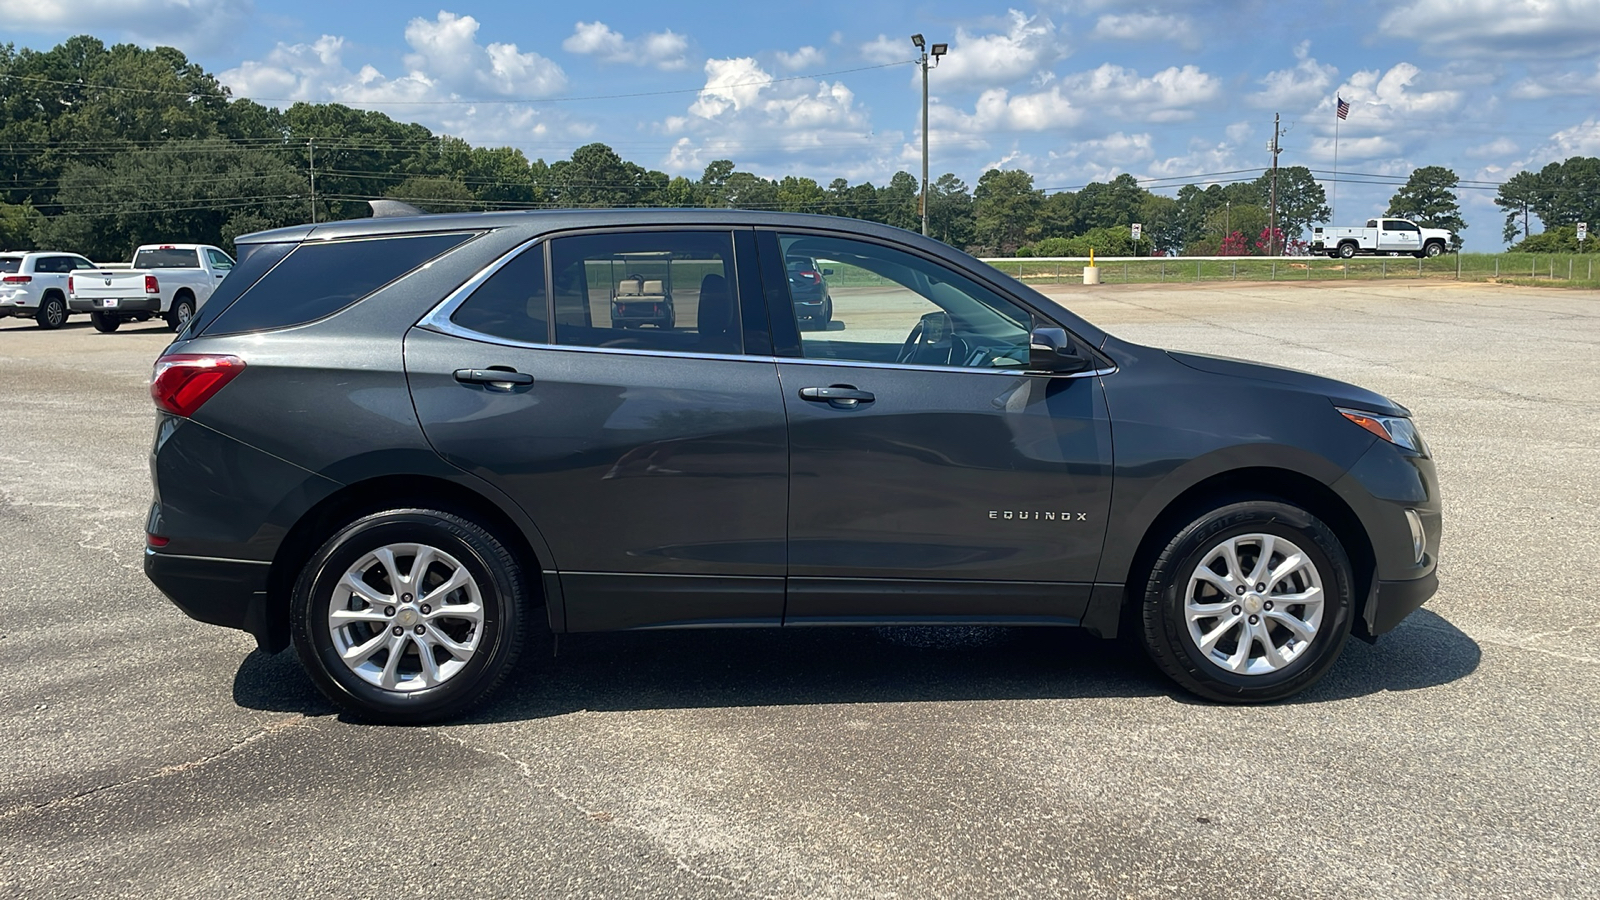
[(385, 209)]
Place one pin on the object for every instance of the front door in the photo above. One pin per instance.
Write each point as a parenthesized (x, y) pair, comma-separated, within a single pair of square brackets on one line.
[(932, 477), (651, 455)]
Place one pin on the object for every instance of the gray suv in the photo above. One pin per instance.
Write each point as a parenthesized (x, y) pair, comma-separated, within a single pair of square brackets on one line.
[(404, 444)]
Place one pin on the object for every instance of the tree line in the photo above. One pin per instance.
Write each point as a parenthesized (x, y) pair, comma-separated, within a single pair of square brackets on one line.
[(106, 147)]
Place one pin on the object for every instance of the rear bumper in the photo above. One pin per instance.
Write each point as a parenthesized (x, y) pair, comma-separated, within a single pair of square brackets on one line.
[(227, 592), (119, 305)]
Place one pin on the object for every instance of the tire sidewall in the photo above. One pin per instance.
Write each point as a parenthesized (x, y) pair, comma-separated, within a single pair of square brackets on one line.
[(52, 304), (1165, 599), (474, 548)]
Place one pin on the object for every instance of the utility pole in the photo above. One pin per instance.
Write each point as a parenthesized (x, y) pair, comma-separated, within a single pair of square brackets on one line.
[(924, 52), (1272, 233), (312, 145)]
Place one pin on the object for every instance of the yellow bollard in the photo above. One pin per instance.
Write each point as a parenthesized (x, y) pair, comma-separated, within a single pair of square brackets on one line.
[(1091, 272)]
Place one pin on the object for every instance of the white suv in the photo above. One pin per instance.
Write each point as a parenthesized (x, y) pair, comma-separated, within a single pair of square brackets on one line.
[(34, 284)]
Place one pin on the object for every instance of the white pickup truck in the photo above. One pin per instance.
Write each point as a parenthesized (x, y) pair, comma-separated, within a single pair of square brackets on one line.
[(1381, 236), (168, 280)]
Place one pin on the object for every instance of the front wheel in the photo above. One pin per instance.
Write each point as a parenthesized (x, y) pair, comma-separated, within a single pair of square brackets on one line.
[(1249, 603), (105, 323), (409, 616), (180, 314), (1433, 250), (52, 313)]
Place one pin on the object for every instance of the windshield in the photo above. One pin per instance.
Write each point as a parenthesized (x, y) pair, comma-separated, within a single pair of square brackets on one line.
[(166, 258), (10, 264)]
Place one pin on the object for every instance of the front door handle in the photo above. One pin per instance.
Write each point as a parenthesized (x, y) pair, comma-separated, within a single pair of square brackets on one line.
[(838, 396), (497, 378)]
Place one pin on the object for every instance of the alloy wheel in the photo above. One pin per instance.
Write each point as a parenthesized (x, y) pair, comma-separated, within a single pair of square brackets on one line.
[(406, 617), (1254, 604)]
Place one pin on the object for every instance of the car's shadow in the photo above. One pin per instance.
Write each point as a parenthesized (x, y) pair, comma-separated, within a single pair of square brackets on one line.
[(734, 668)]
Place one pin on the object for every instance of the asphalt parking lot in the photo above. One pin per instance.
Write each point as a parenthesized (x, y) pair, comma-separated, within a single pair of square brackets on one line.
[(142, 754)]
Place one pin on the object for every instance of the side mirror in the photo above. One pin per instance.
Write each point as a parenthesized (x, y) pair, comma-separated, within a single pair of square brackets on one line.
[(1050, 350), (827, 271)]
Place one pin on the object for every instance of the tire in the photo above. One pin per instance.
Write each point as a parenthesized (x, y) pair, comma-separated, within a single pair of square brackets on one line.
[(105, 323), (1178, 604), (1433, 249), (402, 689), (1347, 250), (827, 312), (180, 314), (52, 312)]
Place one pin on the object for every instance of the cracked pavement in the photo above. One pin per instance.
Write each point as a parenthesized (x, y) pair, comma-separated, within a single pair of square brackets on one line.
[(143, 754)]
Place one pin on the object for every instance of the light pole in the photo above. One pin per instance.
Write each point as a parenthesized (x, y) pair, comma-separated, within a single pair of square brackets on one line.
[(936, 51)]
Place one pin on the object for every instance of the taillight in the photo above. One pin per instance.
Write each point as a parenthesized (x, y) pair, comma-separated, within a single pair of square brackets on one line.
[(18, 279), (811, 276), (69, 284), (156, 540), (183, 382), (150, 285)]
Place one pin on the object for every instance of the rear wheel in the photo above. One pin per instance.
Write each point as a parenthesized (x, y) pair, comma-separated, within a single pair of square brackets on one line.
[(52, 313), (1347, 250), (180, 314), (105, 323), (409, 616), (1249, 603)]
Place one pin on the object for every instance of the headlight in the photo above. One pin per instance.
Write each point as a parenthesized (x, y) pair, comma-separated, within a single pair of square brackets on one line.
[(1394, 429)]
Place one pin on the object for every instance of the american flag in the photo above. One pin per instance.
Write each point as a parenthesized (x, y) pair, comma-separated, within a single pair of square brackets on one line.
[(1343, 108)]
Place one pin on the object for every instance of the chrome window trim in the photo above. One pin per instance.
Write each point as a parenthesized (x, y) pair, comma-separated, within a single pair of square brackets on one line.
[(450, 328), (439, 317)]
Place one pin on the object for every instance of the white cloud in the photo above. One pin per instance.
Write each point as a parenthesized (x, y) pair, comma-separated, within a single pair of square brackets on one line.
[(1028, 44), (446, 63), (447, 49), (170, 22), (1167, 96), (741, 110), (1579, 140), (1563, 84), (1147, 26), (1300, 86), (664, 50), (885, 49), (1511, 29), (1499, 147), (804, 58), (998, 110)]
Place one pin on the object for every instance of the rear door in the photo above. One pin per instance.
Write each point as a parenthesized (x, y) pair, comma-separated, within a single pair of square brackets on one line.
[(932, 477), (653, 459)]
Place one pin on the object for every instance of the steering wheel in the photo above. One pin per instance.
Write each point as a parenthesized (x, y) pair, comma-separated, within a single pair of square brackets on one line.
[(933, 332), (909, 348)]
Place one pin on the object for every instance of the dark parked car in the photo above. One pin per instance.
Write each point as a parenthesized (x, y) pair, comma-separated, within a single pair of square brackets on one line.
[(402, 444), (808, 289)]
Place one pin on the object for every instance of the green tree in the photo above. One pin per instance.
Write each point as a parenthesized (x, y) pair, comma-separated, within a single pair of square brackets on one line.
[(897, 203), (1429, 199), (1005, 205), (800, 195), (1568, 192), (712, 181), (1301, 200), (1517, 196), (950, 211), (743, 190), (596, 176), (434, 194), (202, 191), (18, 221), (1560, 239)]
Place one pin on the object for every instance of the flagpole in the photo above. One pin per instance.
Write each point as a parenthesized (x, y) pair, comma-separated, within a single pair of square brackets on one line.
[(1333, 210)]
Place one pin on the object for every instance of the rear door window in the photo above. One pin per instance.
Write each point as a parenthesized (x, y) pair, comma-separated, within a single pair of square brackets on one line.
[(660, 290), (319, 278)]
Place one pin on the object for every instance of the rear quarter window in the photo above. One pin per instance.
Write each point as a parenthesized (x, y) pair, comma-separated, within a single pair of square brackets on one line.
[(10, 265), (319, 278)]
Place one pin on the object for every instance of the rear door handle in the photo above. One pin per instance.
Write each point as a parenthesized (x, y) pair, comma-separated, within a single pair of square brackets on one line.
[(500, 379), (838, 396)]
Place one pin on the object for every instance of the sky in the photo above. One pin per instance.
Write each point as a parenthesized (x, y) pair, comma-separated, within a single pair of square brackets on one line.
[(1172, 91)]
